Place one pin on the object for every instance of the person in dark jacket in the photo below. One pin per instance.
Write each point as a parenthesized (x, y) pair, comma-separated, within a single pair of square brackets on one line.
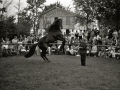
[(83, 51)]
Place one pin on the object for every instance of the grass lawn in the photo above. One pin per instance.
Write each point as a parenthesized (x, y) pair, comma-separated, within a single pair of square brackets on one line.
[(62, 73)]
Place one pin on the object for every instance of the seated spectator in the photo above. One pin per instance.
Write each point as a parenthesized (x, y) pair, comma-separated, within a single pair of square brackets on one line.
[(72, 50), (49, 50), (113, 52), (22, 49), (99, 41), (53, 49), (67, 50), (108, 51), (117, 55), (5, 46), (4, 52), (102, 51), (12, 50), (9, 49)]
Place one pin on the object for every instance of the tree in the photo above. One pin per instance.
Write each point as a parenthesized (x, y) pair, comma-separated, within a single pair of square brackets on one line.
[(35, 6), (18, 18), (106, 11), (5, 6), (83, 8), (3, 25), (25, 22), (8, 27), (52, 5)]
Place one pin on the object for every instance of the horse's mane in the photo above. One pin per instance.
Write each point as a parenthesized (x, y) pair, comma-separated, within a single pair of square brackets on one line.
[(54, 26)]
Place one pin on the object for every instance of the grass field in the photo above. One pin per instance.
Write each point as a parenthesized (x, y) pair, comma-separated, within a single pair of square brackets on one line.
[(62, 73)]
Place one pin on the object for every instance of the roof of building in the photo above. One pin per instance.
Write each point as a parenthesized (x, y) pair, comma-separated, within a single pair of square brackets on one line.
[(56, 7)]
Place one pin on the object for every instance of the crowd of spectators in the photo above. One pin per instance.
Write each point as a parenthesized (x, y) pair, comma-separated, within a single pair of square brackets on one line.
[(107, 46), (17, 45), (97, 45)]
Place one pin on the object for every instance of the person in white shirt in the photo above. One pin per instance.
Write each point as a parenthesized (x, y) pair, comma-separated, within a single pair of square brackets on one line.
[(67, 50), (15, 42), (22, 50), (94, 50)]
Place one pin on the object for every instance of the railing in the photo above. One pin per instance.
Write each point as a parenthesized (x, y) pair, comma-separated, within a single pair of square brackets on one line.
[(16, 52)]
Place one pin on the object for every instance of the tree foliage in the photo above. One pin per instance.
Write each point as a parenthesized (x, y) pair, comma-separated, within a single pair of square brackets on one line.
[(25, 23), (7, 27), (106, 11), (5, 6), (35, 6), (53, 5)]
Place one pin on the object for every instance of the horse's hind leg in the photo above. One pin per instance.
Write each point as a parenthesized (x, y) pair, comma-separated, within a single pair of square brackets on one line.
[(47, 58), (44, 54)]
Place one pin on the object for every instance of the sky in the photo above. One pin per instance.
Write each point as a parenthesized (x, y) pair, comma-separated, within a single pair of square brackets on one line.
[(13, 10)]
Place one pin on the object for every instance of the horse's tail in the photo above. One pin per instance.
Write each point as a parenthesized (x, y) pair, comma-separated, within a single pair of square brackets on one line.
[(31, 51)]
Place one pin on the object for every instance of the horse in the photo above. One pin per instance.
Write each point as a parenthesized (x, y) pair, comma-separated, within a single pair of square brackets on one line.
[(54, 34)]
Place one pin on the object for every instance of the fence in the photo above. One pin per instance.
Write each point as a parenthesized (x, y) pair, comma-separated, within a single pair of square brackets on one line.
[(102, 50)]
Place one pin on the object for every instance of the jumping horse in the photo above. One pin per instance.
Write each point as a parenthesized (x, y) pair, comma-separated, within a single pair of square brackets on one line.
[(54, 34)]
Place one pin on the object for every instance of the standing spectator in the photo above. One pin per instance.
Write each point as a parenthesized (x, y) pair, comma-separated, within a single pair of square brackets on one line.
[(119, 32), (94, 50), (86, 34), (83, 51), (19, 47), (115, 34), (29, 42), (69, 39), (20, 38), (49, 50), (76, 34), (80, 34), (37, 49), (15, 42), (99, 41)]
